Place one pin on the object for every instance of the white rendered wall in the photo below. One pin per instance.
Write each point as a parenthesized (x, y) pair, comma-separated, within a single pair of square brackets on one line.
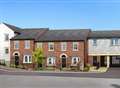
[(5, 30), (103, 47)]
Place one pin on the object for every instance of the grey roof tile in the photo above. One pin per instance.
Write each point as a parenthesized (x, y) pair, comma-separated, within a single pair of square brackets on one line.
[(105, 34), (65, 35)]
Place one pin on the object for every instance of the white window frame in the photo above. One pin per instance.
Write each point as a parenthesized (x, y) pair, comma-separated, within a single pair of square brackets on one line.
[(63, 46), (77, 60), (28, 59), (52, 61), (74, 43), (16, 44), (49, 45), (94, 42), (27, 44), (114, 41), (39, 45)]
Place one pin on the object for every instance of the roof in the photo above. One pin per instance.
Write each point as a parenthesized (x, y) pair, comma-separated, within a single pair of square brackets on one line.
[(65, 35), (105, 34), (30, 33), (14, 28)]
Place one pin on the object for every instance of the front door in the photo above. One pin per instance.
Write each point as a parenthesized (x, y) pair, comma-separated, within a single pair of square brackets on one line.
[(16, 61), (63, 61), (102, 61)]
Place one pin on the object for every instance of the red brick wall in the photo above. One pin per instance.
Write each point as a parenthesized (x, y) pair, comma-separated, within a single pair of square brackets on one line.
[(57, 51), (82, 51), (22, 51)]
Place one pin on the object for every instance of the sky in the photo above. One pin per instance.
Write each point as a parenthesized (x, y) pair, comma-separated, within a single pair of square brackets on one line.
[(62, 14)]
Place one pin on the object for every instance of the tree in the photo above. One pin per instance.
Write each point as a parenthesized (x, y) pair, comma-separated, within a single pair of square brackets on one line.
[(38, 57)]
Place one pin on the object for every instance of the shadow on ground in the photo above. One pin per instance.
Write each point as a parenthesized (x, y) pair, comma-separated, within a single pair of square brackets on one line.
[(115, 86)]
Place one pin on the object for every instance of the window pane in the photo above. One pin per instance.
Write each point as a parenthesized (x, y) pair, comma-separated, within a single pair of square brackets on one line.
[(16, 44), (94, 42), (63, 46), (75, 46), (6, 37), (51, 46), (27, 44), (26, 59), (30, 59), (6, 50)]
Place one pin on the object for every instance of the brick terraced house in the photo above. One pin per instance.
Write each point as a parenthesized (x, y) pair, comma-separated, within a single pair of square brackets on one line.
[(61, 48), (65, 48)]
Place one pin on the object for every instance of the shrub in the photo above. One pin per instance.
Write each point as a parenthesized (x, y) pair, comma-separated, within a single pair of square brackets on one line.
[(12, 65), (87, 67)]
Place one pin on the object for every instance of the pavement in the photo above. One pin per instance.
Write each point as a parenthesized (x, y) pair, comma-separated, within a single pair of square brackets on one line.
[(111, 73)]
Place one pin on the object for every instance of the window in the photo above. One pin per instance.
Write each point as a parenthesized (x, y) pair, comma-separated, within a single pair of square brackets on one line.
[(75, 46), (63, 46), (75, 60), (6, 50), (51, 46), (27, 44), (114, 41), (27, 59), (16, 44), (6, 37), (94, 42), (51, 61), (39, 45)]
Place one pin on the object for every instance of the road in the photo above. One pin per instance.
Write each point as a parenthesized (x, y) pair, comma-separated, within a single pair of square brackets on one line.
[(112, 73), (14, 81)]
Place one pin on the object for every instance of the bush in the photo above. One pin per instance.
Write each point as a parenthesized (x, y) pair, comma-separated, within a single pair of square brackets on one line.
[(87, 67), (3, 63), (12, 65)]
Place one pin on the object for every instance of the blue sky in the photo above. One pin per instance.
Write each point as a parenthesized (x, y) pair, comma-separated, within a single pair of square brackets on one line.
[(57, 14)]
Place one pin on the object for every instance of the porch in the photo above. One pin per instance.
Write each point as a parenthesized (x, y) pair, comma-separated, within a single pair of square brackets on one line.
[(105, 61)]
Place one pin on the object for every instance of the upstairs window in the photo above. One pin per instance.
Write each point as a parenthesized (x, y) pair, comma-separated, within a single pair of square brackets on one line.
[(39, 45), (27, 44), (6, 37), (16, 44), (94, 42), (51, 46), (75, 46), (63, 46), (114, 41)]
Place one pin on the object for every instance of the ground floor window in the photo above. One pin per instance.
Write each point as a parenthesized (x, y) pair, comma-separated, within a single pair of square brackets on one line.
[(75, 60), (50, 60), (115, 61), (27, 59)]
